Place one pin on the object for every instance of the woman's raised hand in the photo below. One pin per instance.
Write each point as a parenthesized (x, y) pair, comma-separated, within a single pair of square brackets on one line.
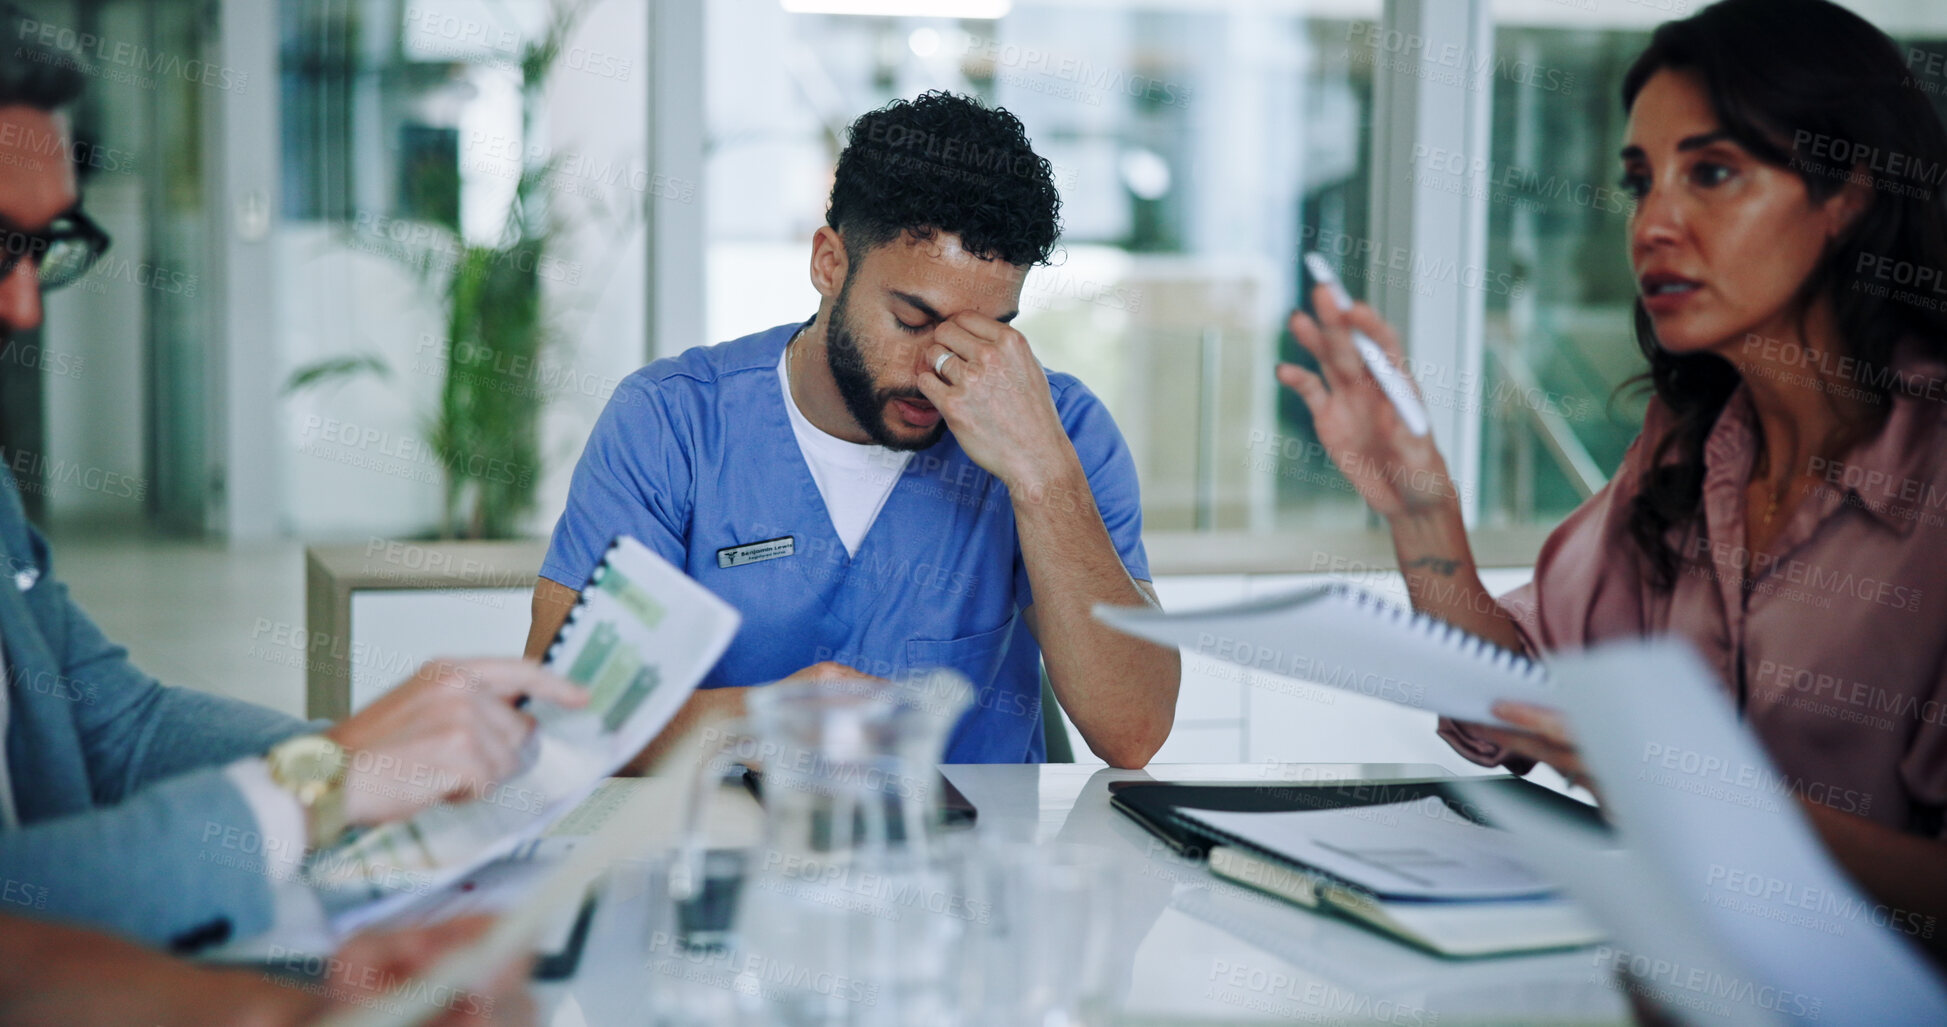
[(1398, 473)]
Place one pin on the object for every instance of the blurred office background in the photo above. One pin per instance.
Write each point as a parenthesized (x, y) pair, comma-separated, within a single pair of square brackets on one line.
[(377, 265)]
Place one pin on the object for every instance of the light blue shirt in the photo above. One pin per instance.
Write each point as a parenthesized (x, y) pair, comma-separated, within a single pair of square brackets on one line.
[(694, 456)]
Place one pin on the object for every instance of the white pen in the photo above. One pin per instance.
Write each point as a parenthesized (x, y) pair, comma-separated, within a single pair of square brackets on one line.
[(1395, 385)]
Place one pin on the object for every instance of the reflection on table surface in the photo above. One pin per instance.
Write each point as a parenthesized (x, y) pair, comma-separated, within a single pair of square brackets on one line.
[(1189, 948)]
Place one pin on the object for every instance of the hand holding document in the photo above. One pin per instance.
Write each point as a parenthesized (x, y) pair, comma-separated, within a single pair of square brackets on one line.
[(1722, 900), (640, 640), (1346, 638)]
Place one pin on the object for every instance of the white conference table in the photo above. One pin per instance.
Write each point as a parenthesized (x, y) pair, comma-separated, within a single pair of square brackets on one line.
[(1189, 948)]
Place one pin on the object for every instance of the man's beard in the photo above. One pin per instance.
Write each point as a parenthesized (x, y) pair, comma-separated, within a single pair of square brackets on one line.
[(866, 402)]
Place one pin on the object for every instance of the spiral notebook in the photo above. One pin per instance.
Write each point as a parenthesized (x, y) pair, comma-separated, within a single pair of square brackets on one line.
[(1344, 637), (641, 638)]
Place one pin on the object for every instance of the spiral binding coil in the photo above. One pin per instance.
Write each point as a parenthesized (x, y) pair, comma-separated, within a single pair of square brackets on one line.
[(594, 578), (1466, 643)]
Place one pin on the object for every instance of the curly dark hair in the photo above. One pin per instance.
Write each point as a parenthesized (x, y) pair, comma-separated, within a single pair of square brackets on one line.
[(1786, 77), (43, 70), (945, 163)]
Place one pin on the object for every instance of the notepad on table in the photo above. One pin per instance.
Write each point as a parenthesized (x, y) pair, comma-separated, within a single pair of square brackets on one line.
[(1416, 870), (1405, 850)]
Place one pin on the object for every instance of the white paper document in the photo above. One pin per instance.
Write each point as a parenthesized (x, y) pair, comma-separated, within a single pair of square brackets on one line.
[(642, 637), (496, 888), (1723, 902), (1347, 638), (583, 859), (1615, 889), (1405, 850)]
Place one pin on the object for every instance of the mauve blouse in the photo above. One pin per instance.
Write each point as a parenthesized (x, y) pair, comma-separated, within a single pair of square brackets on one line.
[(1834, 643)]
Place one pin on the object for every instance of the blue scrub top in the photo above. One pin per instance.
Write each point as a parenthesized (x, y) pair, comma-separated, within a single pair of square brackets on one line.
[(694, 454)]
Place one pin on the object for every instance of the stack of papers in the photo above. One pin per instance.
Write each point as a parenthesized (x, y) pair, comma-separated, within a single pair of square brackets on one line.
[(1722, 898)]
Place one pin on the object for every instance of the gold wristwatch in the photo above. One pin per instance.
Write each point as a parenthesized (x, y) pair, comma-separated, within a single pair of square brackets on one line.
[(312, 768)]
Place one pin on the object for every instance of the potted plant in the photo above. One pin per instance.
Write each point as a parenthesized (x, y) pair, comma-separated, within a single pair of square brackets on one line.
[(486, 427)]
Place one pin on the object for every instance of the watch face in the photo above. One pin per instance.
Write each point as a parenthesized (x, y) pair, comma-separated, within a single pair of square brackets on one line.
[(312, 768), (312, 759)]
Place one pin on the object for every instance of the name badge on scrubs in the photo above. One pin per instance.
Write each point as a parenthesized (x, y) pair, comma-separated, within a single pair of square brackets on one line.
[(757, 552)]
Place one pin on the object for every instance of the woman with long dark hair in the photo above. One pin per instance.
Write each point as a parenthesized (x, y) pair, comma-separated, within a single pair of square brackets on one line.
[(1785, 507)]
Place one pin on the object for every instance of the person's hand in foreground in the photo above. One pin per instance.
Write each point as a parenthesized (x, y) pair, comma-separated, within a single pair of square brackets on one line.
[(1538, 734), (1400, 475), (452, 731), (984, 379), (60, 976), (372, 966), (830, 671)]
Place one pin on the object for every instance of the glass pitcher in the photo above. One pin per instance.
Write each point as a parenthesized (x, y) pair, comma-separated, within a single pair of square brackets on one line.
[(851, 909)]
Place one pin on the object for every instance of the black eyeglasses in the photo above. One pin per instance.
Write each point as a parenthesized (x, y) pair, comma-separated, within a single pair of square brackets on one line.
[(62, 252)]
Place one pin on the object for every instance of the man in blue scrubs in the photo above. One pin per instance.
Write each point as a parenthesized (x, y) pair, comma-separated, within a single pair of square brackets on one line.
[(896, 484)]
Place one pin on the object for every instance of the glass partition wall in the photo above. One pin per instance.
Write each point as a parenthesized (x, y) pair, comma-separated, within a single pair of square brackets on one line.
[(1201, 148)]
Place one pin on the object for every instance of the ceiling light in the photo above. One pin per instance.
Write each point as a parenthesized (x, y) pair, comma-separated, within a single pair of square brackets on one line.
[(984, 9)]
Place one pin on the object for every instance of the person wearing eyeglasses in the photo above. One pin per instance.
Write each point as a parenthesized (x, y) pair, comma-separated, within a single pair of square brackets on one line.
[(1783, 508), (67, 248), (173, 816)]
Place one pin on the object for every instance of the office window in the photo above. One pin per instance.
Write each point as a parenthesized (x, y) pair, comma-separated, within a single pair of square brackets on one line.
[(1560, 344), (501, 143), (1199, 149)]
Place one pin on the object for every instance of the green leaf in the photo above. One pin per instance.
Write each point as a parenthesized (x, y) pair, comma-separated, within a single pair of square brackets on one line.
[(334, 369)]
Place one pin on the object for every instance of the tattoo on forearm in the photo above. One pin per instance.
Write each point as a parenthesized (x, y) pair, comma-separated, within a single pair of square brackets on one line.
[(1437, 564)]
